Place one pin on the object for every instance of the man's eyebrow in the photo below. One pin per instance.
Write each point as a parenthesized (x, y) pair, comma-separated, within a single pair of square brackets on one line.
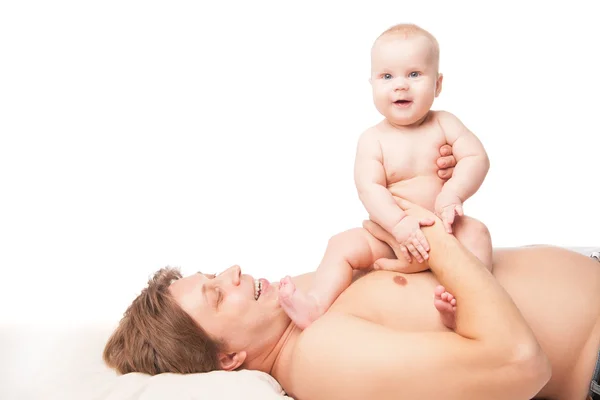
[(203, 289)]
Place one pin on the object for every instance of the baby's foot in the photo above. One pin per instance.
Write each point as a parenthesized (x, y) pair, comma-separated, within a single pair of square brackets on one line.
[(445, 303), (302, 308)]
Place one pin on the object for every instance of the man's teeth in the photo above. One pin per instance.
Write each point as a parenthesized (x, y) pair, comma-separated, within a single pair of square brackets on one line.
[(257, 289)]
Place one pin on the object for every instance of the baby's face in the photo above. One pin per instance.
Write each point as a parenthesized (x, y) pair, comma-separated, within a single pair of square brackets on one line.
[(404, 78)]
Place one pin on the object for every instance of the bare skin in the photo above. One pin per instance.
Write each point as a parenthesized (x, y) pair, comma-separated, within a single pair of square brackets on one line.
[(564, 317), (397, 159), (303, 308), (369, 345), (335, 270), (394, 157)]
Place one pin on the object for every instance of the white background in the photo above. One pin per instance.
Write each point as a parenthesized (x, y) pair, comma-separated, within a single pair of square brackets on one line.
[(136, 135)]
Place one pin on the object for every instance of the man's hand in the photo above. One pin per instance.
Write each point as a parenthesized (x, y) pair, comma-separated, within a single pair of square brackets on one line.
[(411, 239), (446, 162), (447, 207), (425, 216)]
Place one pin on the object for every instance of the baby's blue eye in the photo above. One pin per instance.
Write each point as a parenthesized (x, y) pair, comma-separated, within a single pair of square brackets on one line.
[(414, 74), (387, 76)]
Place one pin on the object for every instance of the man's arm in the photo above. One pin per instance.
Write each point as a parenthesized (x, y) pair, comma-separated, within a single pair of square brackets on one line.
[(345, 357), (472, 162), (492, 353)]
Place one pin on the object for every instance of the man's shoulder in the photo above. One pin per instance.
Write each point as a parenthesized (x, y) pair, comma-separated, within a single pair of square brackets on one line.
[(310, 342), (317, 349)]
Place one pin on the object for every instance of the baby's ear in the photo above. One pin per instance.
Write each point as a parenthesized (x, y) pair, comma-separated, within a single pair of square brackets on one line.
[(231, 361), (438, 84)]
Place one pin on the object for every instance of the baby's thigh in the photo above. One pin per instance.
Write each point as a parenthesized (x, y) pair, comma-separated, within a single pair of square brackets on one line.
[(475, 236), (466, 227)]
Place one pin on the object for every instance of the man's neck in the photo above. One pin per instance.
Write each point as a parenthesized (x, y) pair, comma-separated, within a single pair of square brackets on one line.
[(279, 355)]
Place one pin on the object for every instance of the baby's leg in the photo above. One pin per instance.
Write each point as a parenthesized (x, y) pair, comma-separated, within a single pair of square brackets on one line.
[(345, 252), (302, 308), (475, 236)]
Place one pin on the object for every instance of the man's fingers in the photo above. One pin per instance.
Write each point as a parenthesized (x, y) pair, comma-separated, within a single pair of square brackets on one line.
[(387, 264), (446, 162), (426, 222), (445, 173), (445, 150)]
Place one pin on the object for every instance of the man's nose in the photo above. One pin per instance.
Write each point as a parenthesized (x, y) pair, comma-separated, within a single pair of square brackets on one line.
[(233, 274)]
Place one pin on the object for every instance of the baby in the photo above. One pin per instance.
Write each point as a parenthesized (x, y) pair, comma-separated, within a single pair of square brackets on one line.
[(397, 158)]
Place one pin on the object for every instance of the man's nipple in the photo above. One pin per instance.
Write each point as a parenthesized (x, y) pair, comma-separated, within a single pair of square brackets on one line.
[(400, 280)]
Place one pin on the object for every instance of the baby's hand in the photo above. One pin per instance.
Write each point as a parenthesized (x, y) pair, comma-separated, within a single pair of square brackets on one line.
[(412, 241), (447, 207)]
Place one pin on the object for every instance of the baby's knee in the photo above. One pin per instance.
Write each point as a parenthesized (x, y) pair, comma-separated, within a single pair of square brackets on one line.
[(348, 236), (475, 235), (474, 230)]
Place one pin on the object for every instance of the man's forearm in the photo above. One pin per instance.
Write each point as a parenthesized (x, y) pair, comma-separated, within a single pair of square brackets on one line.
[(468, 176), (477, 292), (381, 206)]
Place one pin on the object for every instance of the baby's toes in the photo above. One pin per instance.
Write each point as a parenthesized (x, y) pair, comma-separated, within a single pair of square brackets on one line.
[(439, 290)]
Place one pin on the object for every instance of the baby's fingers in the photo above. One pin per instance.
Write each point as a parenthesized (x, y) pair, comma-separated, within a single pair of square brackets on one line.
[(405, 253), (414, 251), (448, 219)]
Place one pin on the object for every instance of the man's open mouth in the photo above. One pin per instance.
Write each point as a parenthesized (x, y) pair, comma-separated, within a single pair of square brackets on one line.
[(257, 289)]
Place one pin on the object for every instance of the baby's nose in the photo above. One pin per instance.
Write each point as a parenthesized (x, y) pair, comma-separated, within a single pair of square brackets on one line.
[(400, 83)]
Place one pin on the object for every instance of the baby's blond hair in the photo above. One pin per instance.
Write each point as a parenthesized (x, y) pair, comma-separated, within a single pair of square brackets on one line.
[(411, 30)]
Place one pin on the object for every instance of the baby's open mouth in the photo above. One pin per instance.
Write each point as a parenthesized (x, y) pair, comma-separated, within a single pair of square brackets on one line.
[(402, 101)]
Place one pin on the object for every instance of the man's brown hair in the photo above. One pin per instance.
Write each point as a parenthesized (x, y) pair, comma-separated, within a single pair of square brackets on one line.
[(155, 335)]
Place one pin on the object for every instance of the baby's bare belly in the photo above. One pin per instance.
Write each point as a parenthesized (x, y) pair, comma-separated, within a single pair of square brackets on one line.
[(421, 190)]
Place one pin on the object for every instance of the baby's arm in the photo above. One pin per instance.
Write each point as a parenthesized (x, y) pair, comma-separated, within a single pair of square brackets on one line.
[(370, 180), (472, 165)]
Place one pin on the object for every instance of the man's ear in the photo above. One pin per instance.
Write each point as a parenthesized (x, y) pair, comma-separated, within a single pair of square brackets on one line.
[(438, 85), (231, 361)]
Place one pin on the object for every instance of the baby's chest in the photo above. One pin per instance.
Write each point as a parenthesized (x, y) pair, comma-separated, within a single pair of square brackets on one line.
[(406, 155)]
